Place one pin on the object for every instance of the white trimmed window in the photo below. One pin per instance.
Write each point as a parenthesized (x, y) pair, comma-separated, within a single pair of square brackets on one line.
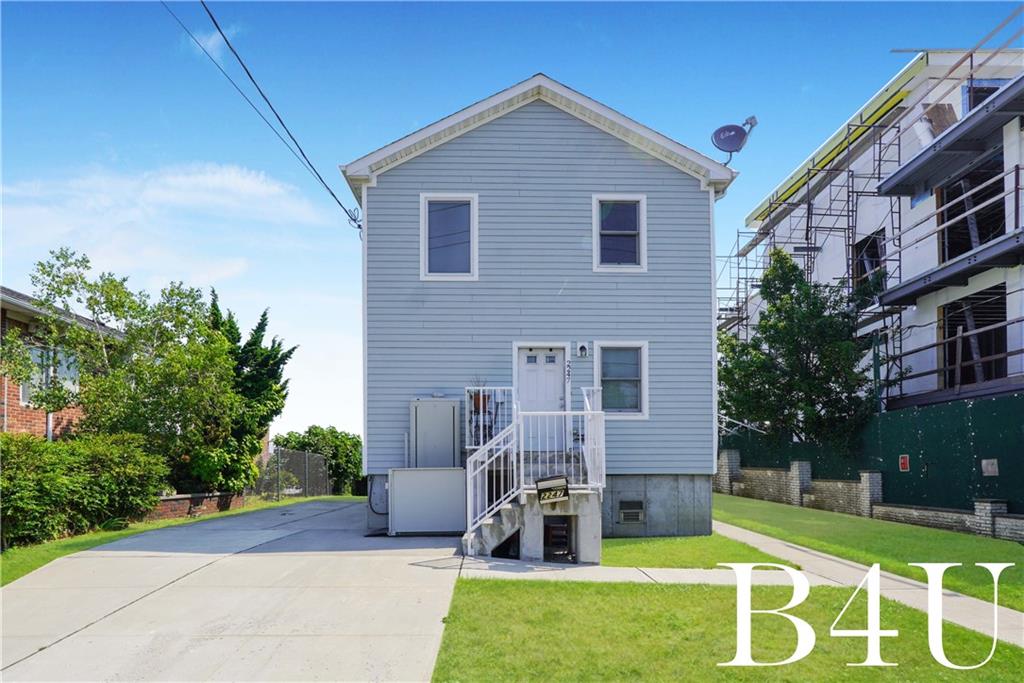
[(620, 233), (448, 236), (620, 369)]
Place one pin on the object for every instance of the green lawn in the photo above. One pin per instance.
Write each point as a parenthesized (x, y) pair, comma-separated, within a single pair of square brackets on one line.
[(696, 552), (892, 545), (16, 562), (569, 631)]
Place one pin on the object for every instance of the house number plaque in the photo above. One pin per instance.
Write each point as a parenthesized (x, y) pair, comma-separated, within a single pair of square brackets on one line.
[(552, 489)]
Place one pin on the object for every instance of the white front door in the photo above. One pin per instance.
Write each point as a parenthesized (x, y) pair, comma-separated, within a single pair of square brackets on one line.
[(541, 388)]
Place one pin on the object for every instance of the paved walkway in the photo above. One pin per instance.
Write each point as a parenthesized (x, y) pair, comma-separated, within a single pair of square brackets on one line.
[(295, 593), (960, 609)]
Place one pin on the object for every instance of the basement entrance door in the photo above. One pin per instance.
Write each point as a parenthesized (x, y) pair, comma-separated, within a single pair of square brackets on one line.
[(541, 388)]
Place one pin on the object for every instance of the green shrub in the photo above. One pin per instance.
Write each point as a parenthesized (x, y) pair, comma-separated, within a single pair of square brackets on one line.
[(54, 489)]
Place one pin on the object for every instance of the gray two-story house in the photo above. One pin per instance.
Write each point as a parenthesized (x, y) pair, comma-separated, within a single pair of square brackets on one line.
[(539, 327)]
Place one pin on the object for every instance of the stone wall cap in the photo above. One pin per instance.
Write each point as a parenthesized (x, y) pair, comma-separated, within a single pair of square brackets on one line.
[(924, 508), (208, 494), (990, 500)]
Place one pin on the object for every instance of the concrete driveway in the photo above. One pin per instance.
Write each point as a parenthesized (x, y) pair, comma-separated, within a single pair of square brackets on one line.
[(295, 593)]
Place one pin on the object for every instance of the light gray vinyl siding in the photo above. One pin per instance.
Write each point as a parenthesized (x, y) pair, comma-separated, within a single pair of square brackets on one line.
[(535, 170)]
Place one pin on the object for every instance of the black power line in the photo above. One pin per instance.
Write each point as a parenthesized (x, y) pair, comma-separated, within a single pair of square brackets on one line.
[(352, 216), (299, 155), (226, 75)]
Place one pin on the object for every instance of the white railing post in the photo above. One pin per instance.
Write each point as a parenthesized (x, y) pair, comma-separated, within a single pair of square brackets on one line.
[(567, 441)]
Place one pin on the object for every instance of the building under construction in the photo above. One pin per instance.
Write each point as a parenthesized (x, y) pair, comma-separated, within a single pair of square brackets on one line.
[(921, 189)]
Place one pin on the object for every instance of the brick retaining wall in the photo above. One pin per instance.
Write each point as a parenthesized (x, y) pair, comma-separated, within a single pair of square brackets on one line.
[(194, 505), (1010, 527), (763, 482), (835, 495), (861, 497), (939, 518)]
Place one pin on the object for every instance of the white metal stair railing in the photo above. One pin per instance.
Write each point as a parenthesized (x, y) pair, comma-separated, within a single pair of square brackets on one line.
[(493, 477), (487, 410), (532, 446), (568, 442)]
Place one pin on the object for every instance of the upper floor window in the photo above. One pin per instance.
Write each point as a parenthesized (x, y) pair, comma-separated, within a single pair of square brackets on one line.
[(620, 232), (448, 236), (620, 369)]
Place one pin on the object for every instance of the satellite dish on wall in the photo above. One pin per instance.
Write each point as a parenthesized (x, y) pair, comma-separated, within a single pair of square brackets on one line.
[(731, 138)]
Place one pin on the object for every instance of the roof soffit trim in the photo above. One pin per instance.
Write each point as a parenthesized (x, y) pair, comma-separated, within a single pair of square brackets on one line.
[(710, 172)]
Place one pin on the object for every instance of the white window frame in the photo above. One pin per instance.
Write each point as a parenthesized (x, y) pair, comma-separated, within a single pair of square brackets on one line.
[(641, 240), (48, 371), (644, 347), (474, 241), (25, 390)]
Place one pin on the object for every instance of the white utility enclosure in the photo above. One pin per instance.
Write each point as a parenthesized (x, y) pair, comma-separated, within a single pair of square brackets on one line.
[(427, 500), (435, 432)]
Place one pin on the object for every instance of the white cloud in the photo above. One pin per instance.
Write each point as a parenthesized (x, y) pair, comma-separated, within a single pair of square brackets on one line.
[(212, 41), (154, 224)]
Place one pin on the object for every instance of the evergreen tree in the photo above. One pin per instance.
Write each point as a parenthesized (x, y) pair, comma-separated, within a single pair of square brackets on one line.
[(259, 376)]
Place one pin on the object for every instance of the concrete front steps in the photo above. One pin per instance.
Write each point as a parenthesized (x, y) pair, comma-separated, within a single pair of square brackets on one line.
[(583, 508), (494, 531)]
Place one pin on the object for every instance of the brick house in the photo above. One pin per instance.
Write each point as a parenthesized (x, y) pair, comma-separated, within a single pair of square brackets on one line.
[(19, 310)]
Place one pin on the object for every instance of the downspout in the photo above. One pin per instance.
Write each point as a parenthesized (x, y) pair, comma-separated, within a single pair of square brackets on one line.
[(5, 403)]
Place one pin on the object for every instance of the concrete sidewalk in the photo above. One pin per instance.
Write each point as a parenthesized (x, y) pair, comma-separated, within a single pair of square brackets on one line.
[(819, 568), (960, 609), (490, 568), (293, 593)]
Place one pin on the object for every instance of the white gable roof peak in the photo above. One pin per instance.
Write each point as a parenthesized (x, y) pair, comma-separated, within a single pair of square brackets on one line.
[(539, 87)]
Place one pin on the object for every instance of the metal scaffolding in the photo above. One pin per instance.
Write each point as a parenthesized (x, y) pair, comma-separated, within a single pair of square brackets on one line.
[(825, 202)]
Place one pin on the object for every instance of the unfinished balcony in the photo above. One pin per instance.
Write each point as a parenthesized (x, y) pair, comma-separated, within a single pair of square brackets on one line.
[(980, 352), (978, 227)]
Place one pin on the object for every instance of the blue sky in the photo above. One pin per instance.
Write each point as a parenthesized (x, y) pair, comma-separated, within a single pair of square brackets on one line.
[(121, 140)]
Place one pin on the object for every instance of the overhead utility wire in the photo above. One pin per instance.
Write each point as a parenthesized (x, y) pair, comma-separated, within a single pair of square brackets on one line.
[(353, 217), (237, 88)]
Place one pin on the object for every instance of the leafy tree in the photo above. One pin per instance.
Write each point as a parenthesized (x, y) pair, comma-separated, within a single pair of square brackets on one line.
[(801, 373), (259, 377), (15, 360), (156, 368), (344, 452)]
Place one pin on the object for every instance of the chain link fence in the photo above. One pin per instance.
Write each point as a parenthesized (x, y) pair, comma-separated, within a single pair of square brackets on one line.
[(288, 473)]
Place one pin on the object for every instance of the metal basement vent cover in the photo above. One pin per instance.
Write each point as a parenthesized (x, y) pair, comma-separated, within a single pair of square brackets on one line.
[(631, 512)]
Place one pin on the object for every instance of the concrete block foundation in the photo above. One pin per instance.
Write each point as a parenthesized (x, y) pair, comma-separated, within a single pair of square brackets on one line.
[(585, 513), (673, 505)]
